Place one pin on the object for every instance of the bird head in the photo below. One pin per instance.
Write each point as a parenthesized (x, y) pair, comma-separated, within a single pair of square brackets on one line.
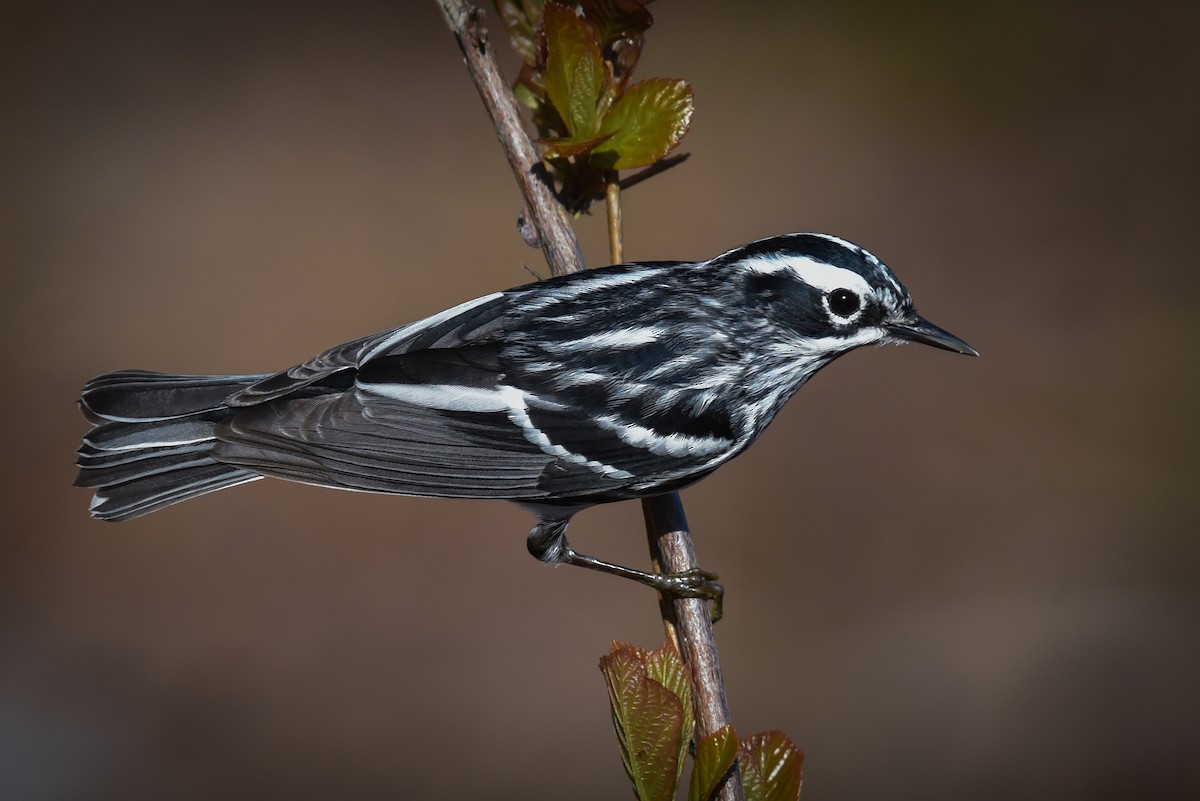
[(825, 296)]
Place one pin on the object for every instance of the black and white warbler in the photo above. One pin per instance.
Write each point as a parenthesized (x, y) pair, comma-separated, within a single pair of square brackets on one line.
[(617, 383)]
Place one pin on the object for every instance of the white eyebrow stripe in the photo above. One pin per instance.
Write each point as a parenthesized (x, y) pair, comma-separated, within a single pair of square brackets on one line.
[(815, 273), (826, 276), (848, 245), (869, 256)]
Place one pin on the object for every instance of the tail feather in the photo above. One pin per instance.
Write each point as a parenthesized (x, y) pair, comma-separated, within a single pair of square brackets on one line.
[(123, 436), (152, 439), (104, 468), (151, 493), (141, 396)]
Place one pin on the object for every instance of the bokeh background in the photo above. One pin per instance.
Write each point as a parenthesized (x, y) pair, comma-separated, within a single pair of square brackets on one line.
[(947, 578)]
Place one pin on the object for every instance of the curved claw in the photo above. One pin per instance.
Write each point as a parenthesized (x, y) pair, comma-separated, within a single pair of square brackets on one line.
[(694, 583)]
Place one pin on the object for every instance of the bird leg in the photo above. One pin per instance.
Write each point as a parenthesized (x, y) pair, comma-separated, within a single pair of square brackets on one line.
[(548, 543)]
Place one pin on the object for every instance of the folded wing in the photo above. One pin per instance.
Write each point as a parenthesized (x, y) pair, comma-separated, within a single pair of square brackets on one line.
[(435, 411)]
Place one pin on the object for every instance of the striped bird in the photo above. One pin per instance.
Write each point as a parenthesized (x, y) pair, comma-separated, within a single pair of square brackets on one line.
[(617, 383)]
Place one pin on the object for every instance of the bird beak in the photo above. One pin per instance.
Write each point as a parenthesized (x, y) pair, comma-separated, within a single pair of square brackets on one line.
[(917, 329)]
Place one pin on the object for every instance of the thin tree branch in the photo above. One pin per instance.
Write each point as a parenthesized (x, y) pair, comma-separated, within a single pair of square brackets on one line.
[(666, 527), (550, 220), (673, 549), (612, 207), (654, 169)]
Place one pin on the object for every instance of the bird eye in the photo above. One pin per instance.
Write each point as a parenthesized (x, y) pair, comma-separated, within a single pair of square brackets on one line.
[(843, 302)]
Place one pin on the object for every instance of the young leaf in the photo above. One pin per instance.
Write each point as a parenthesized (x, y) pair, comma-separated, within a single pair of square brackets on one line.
[(575, 76), (646, 123), (648, 718), (622, 57), (772, 767), (520, 18), (621, 31), (565, 146), (665, 665), (616, 19), (714, 756)]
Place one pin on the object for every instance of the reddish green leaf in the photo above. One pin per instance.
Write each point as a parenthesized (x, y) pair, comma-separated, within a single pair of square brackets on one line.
[(565, 146), (772, 767), (617, 19), (648, 719), (665, 665), (622, 57), (714, 756), (646, 123), (575, 76)]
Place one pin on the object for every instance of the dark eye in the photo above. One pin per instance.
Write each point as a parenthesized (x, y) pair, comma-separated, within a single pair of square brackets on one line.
[(843, 302)]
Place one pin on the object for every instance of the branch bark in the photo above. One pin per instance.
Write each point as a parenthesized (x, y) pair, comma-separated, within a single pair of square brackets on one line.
[(550, 220), (687, 619)]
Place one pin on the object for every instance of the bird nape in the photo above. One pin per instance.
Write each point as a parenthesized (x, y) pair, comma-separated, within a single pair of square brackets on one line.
[(611, 384)]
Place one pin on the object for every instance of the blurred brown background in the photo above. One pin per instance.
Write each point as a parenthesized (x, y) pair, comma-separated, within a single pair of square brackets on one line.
[(947, 578)]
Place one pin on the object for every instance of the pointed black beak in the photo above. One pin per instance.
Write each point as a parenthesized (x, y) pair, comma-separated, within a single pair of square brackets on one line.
[(915, 328)]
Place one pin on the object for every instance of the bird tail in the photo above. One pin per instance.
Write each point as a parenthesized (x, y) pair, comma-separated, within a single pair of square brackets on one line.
[(152, 438)]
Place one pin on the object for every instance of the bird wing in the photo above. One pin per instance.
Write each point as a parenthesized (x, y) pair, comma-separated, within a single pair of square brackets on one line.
[(440, 423), (446, 407), (473, 321)]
